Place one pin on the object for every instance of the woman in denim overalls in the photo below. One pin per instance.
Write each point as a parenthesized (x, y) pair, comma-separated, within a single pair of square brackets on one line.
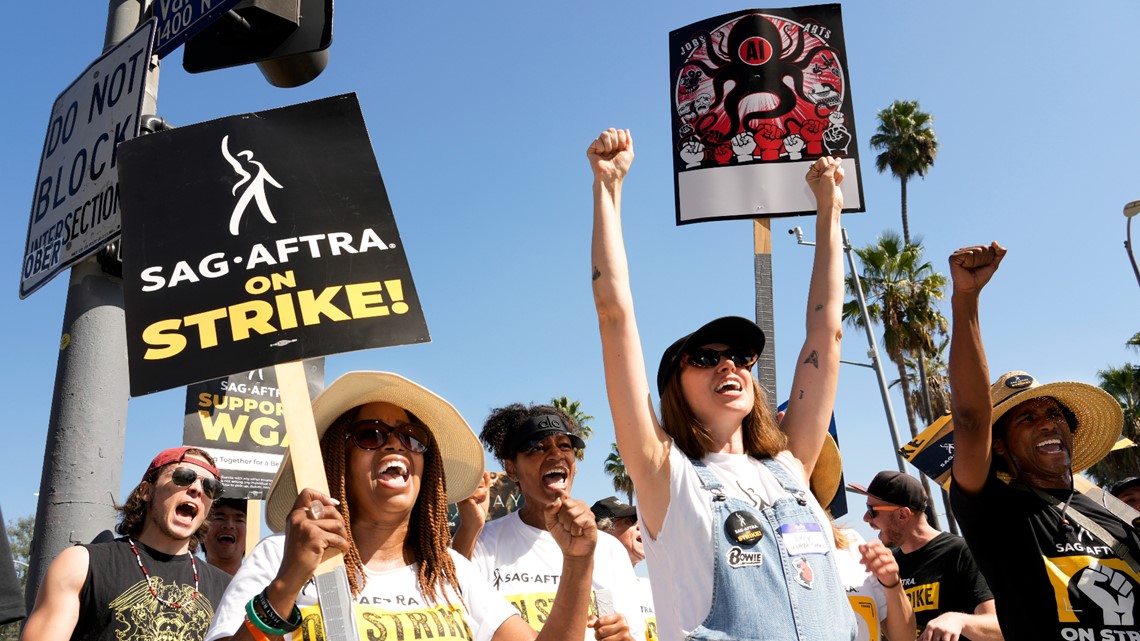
[(737, 546)]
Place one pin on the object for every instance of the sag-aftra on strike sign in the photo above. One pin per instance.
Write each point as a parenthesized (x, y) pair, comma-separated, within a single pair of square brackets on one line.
[(279, 245)]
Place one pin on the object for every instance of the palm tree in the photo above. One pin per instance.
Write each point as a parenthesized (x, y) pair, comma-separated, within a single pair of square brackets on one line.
[(901, 291), (908, 145), (574, 410), (615, 467), (937, 379), (1124, 384)]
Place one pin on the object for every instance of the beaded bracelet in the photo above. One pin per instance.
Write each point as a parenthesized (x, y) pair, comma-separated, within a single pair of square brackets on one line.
[(254, 631), (252, 617), (269, 616)]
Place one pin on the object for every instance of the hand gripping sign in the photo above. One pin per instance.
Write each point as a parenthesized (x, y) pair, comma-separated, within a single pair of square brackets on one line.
[(259, 240)]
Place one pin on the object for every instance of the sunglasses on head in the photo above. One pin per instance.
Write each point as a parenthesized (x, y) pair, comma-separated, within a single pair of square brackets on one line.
[(372, 434), (185, 477), (873, 510), (742, 357)]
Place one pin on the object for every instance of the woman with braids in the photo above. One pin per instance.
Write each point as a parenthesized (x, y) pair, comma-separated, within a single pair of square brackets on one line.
[(737, 546), (536, 446), (395, 455)]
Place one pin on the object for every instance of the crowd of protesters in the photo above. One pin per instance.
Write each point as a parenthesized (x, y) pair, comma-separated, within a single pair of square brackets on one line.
[(730, 517)]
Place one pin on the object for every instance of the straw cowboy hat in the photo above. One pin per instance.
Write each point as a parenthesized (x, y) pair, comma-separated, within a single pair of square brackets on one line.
[(1099, 418), (458, 447), (824, 481)]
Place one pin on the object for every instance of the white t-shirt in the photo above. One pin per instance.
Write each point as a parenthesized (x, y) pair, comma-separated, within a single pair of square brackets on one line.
[(681, 557), (647, 611), (391, 605), (525, 563), (867, 597)]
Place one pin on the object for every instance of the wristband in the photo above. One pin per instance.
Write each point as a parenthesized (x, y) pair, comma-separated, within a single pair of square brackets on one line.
[(270, 617), (255, 631), (254, 619), (893, 585)]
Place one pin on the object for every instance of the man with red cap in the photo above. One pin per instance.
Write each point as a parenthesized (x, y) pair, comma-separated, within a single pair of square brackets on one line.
[(146, 584)]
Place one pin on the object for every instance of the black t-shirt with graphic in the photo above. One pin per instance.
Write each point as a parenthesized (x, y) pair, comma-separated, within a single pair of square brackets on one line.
[(1051, 581), (115, 603), (941, 576)]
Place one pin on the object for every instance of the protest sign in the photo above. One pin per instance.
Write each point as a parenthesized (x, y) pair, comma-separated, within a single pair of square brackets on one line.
[(239, 420), (756, 96), (259, 239)]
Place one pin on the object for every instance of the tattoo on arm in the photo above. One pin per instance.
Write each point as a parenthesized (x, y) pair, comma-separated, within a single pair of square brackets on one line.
[(813, 359), (597, 274), (801, 394), (818, 307)]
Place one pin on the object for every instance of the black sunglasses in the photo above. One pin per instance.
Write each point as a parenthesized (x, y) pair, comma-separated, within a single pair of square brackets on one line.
[(185, 477), (372, 434), (873, 510), (742, 357)]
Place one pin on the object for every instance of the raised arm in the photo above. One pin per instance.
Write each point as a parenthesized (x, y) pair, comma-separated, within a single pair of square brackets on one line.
[(644, 446), (898, 621), (57, 604), (817, 367), (970, 269)]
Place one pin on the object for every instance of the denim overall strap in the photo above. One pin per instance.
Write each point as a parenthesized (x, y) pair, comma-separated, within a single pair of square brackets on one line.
[(760, 591)]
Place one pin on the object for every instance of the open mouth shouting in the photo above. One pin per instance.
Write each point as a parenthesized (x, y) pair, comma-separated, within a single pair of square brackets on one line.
[(730, 386), (1051, 446), (393, 472), (556, 478), (187, 511)]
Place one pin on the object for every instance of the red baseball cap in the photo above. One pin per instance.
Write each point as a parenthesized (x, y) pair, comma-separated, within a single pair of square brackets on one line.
[(178, 455)]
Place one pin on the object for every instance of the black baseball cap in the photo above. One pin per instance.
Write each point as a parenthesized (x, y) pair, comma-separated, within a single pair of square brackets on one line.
[(536, 428), (611, 508), (895, 488), (1116, 488), (734, 331)]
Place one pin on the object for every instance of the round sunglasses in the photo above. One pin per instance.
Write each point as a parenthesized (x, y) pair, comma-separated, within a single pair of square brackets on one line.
[(706, 357), (185, 477), (372, 434)]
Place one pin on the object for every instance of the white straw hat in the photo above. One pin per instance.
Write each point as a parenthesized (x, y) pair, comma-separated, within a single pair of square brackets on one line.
[(458, 446)]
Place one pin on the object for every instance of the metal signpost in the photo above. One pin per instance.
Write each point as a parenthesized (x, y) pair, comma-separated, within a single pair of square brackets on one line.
[(180, 20), (75, 209)]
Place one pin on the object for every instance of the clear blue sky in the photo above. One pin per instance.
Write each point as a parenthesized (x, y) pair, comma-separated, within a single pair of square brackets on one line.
[(480, 114)]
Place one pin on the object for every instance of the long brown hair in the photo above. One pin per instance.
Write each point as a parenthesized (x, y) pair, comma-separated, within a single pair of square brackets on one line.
[(428, 538), (762, 436), (132, 513)]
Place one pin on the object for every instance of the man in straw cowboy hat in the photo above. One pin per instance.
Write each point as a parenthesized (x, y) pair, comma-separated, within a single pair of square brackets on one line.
[(1060, 565), (947, 591)]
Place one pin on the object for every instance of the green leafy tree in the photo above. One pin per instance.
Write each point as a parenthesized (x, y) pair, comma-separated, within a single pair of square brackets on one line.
[(615, 467), (20, 534), (1124, 384), (908, 145), (574, 410)]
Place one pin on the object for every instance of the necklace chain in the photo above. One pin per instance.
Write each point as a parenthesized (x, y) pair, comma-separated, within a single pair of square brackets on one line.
[(172, 604)]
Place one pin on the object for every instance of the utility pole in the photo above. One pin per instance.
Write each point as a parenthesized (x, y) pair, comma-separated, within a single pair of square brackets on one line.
[(765, 312), (83, 457)]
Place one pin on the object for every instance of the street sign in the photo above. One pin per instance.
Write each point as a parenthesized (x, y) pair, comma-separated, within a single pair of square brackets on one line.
[(180, 20), (75, 209)]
